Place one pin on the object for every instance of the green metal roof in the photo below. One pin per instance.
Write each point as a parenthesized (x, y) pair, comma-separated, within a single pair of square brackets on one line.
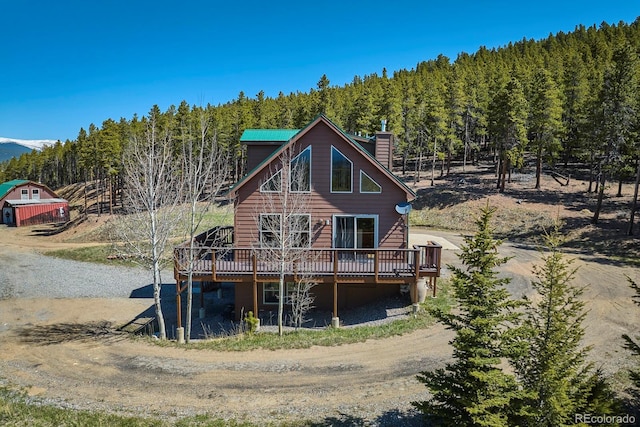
[(10, 185), (271, 135)]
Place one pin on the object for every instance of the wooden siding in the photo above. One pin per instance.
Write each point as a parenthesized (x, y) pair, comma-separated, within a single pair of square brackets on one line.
[(45, 213), (323, 203), (349, 296), (257, 153), (384, 149)]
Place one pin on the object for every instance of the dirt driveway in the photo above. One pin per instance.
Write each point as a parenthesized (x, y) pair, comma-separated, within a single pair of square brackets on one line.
[(372, 382)]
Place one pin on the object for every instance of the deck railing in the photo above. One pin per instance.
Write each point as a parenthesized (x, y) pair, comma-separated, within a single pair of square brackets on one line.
[(215, 237), (220, 262)]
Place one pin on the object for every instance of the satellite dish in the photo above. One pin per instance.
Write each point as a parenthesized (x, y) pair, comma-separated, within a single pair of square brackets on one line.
[(403, 208)]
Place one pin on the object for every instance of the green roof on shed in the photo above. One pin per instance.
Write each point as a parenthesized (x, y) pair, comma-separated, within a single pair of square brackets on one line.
[(271, 135), (5, 187)]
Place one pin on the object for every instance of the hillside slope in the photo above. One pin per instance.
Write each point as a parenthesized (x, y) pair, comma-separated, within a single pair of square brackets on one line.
[(9, 150)]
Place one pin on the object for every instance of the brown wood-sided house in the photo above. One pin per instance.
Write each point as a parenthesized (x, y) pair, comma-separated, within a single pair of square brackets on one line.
[(30, 203), (353, 222)]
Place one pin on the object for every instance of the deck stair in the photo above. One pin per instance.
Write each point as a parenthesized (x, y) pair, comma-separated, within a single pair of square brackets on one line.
[(138, 325)]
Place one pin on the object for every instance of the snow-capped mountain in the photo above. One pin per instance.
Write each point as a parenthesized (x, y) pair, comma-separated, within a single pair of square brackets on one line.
[(36, 144), (10, 147)]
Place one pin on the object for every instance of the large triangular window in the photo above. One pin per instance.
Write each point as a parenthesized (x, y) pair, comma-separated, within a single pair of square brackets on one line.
[(273, 184), (301, 172), (341, 172), (368, 185)]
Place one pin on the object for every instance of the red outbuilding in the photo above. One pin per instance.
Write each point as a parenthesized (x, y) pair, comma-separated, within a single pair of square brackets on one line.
[(30, 203)]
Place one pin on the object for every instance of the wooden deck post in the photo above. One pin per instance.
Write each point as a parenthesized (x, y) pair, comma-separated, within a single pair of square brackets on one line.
[(179, 303), (255, 298), (213, 266), (335, 299), (334, 319), (176, 272), (254, 265), (254, 261), (416, 273), (376, 267)]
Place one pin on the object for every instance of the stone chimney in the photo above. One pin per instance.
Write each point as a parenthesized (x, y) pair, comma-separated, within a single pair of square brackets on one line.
[(384, 146)]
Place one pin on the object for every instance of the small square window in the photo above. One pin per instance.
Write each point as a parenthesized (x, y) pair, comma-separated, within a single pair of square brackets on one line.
[(269, 230), (300, 230), (270, 292)]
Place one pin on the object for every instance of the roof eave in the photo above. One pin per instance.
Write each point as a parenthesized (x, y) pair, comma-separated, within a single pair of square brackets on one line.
[(411, 195)]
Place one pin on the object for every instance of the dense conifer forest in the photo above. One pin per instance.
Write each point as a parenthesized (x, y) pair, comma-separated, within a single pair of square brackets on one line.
[(571, 97)]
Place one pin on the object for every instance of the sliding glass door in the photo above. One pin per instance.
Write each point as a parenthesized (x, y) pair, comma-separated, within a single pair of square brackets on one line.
[(355, 231)]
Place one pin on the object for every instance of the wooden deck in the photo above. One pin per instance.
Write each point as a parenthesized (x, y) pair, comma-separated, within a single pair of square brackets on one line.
[(215, 259), (225, 264)]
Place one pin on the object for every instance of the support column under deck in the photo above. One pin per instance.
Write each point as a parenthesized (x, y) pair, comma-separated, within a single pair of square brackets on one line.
[(255, 298), (178, 303), (335, 320), (254, 263), (335, 299)]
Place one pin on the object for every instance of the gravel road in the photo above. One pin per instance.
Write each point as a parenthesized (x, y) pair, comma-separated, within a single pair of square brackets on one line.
[(37, 276), (32, 275), (368, 383)]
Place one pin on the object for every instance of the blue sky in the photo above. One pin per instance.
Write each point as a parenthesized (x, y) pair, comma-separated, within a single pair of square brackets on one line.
[(67, 64)]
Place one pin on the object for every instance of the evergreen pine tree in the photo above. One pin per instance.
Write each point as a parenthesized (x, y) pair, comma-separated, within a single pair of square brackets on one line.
[(473, 390), (507, 124), (553, 367), (545, 119), (618, 105), (632, 344)]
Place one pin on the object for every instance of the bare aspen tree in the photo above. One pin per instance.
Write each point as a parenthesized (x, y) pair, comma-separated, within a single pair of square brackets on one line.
[(205, 170), (153, 200), (301, 299), (284, 223)]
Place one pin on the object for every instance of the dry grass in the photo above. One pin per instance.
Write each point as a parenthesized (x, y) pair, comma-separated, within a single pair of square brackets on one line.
[(66, 332), (524, 213)]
